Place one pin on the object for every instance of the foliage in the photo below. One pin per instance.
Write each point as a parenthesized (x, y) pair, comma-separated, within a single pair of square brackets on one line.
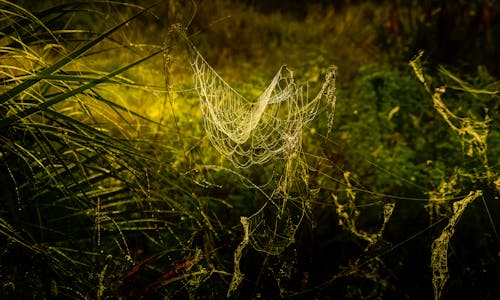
[(85, 200)]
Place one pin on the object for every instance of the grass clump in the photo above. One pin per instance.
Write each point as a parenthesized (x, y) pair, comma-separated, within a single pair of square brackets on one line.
[(85, 201)]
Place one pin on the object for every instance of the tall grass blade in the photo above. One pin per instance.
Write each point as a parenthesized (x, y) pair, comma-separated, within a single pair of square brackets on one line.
[(64, 61)]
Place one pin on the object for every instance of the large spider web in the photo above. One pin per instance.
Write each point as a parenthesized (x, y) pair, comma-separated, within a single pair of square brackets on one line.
[(255, 132), (250, 132)]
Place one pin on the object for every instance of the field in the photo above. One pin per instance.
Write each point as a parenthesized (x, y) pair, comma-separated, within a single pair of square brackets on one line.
[(248, 150)]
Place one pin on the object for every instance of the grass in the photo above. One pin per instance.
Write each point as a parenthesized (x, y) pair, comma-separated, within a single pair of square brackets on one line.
[(110, 187), (76, 177)]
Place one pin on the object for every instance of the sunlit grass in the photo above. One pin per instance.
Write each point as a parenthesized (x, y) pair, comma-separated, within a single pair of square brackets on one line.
[(81, 175)]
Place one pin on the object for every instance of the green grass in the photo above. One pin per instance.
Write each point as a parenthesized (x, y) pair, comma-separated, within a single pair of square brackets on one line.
[(81, 178)]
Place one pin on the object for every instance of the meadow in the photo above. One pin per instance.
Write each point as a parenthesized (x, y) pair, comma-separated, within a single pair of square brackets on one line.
[(249, 150)]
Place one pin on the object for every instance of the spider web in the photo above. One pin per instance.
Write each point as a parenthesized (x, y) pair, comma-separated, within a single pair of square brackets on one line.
[(473, 136), (264, 130), (250, 132)]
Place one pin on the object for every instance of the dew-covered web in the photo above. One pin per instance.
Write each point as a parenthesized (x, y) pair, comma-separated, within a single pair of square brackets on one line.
[(250, 132), (439, 253), (266, 130), (473, 137), (473, 133)]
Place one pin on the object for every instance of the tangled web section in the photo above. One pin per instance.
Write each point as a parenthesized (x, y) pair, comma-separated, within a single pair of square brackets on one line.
[(250, 132), (267, 129)]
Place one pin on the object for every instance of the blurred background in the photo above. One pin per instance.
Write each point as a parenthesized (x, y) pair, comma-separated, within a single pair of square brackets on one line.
[(458, 33)]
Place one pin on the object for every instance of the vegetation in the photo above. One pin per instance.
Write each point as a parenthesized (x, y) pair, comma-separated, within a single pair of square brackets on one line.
[(385, 185)]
